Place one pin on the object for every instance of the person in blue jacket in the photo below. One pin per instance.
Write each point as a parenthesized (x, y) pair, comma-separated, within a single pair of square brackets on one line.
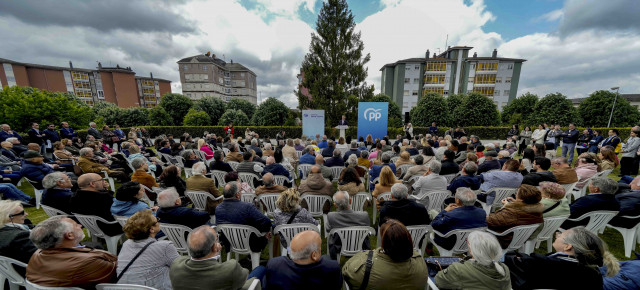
[(128, 200), (460, 215)]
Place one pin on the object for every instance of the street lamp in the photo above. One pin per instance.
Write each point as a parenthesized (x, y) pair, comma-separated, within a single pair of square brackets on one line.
[(614, 104)]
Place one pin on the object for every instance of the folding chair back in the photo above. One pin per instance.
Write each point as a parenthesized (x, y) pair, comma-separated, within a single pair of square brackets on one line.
[(199, 198), (280, 179), (249, 178), (218, 175), (268, 202), (37, 192), (449, 177), (238, 237), (335, 172), (433, 199), (234, 165), (351, 238), (418, 233), (287, 232), (500, 194), (105, 286), (32, 286), (91, 223), (460, 246), (549, 227), (520, 235), (598, 220), (177, 234), (50, 211), (315, 203), (304, 170)]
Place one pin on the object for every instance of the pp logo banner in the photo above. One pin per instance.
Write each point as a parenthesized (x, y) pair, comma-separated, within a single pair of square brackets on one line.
[(373, 118)]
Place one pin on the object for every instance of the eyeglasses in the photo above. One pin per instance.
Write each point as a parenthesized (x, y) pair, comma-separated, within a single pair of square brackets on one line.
[(16, 214)]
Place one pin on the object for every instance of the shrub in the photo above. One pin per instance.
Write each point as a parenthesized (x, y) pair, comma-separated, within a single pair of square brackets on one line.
[(176, 105), (237, 117), (196, 118), (271, 112)]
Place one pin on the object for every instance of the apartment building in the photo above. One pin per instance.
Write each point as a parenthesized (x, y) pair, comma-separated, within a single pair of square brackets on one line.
[(452, 72), (117, 85), (206, 75)]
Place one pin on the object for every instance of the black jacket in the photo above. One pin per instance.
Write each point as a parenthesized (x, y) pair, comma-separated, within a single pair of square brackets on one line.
[(98, 204), (589, 203), (183, 216), (629, 206), (15, 244), (58, 199), (534, 178), (449, 167), (406, 211)]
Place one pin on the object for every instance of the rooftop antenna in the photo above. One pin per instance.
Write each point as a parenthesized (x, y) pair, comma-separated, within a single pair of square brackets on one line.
[(446, 42)]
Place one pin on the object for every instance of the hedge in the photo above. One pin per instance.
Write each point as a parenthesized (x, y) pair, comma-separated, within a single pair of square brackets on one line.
[(485, 133)]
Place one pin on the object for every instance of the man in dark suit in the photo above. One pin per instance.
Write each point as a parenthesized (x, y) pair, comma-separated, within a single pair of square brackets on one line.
[(94, 198), (449, 166), (343, 121), (541, 167), (8, 133), (459, 215), (601, 197), (344, 217), (51, 136), (219, 163), (336, 160), (66, 131), (93, 131), (328, 152), (36, 136), (171, 211), (404, 210)]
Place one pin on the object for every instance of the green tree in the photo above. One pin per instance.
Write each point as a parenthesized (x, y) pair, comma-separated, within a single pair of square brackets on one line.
[(477, 110), (598, 109), (335, 68), (554, 108), (237, 117), (112, 114), (102, 105), (214, 107), (430, 108), (271, 112), (241, 105), (453, 102), (133, 117), (159, 117), (196, 118), (395, 115), (519, 109), (176, 105)]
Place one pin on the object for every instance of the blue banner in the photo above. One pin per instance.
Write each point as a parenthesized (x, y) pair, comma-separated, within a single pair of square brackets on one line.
[(312, 123), (373, 119)]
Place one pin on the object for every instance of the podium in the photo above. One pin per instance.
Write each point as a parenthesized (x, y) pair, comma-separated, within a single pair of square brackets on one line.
[(342, 128)]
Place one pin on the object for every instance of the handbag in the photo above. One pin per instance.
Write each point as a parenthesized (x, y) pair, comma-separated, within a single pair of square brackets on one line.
[(437, 264)]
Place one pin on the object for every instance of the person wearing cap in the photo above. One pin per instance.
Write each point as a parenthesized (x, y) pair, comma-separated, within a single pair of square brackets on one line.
[(34, 168), (490, 163)]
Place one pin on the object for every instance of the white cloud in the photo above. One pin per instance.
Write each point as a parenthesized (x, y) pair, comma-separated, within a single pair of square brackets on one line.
[(550, 16)]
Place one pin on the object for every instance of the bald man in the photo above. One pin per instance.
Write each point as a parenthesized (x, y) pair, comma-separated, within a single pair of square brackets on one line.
[(276, 169), (268, 185), (94, 198), (203, 268), (307, 268), (326, 172)]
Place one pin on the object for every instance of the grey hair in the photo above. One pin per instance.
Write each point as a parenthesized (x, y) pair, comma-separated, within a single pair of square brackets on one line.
[(341, 198), (11, 139), (606, 185), (485, 249), (364, 154), (84, 151), (354, 144), (254, 142), (231, 191), (92, 123), (202, 247), (419, 160), (267, 146), (138, 163), (50, 233), (353, 160), (305, 252), (435, 166), (267, 179), (337, 153), (199, 168), (414, 143), (466, 196), (386, 157), (510, 144), (470, 168), (399, 191), (168, 197), (51, 180), (591, 250), (489, 146)]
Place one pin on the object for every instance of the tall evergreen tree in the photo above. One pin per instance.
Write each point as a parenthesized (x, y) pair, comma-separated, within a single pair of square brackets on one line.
[(334, 68)]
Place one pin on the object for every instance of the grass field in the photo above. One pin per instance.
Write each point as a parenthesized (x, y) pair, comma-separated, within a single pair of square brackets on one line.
[(612, 237)]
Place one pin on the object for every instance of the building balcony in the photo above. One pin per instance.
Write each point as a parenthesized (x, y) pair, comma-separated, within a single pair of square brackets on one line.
[(433, 86)]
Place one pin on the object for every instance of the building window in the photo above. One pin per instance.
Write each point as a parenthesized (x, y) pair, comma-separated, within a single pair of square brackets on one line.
[(470, 79), (406, 92), (498, 80), (185, 67), (510, 66), (485, 79), (433, 90), (473, 66), (407, 80), (204, 67), (436, 66), (414, 93), (241, 75), (445, 92), (407, 68), (434, 79), (507, 80), (487, 66), (507, 92), (417, 67), (416, 80), (487, 91)]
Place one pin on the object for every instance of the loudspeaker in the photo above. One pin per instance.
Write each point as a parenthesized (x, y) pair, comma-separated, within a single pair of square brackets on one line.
[(406, 117)]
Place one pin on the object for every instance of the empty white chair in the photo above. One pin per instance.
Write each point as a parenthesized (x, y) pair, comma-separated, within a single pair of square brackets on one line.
[(418, 236), (315, 203), (460, 246), (629, 236), (351, 238), (37, 192), (218, 175), (287, 232), (105, 286), (50, 211), (249, 178), (358, 201), (304, 170), (199, 198), (268, 202), (248, 197), (500, 194), (91, 223), (177, 234), (520, 236), (550, 226), (32, 286), (8, 272), (238, 237), (597, 220)]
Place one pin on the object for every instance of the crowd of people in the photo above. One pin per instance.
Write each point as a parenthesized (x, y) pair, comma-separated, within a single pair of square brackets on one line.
[(152, 190)]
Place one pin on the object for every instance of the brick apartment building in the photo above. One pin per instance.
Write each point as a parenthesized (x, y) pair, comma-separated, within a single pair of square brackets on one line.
[(117, 85)]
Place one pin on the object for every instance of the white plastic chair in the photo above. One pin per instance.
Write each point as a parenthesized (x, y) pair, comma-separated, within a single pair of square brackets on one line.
[(603, 173), (105, 286), (249, 178), (358, 201), (218, 175), (431, 285), (234, 165), (315, 203), (568, 188), (248, 197), (500, 194), (394, 159), (268, 202), (255, 285), (304, 170), (177, 234), (449, 177), (199, 198), (238, 237), (432, 199), (32, 286), (578, 192), (122, 220), (280, 179), (520, 236), (550, 226), (287, 232), (460, 246), (335, 172), (91, 223), (402, 169), (386, 196), (629, 236), (418, 236), (50, 211), (8, 272), (36, 192), (597, 220), (351, 238)]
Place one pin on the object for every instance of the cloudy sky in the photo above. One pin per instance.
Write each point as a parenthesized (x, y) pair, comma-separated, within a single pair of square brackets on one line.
[(572, 46)]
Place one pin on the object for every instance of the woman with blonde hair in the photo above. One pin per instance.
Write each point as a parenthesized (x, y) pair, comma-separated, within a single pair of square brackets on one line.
[(289, 211), (151, 267), (208, 154), (369, 140), (386, 180), (608, 159), (14, 234)]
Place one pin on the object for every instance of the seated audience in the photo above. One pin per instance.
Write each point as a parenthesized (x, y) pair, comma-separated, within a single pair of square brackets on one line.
[(526, 209), (63, 155), (88, 165), (541, 172), (218, 163), (268, 151), (352, 162), (363, 159), (306, 267), (10, 191), (308, 156), (326, 172), (57, 192), (579, 253), (134, 153), (171, 177), (14, 233), (171, 211), (405, 158), (608, 159), (328, 151), (289, 151), (629, 206), (600, 197), (34, 168), (234, 153), (481, 270), (418, 170), (129, 200), (94, 198), (288, 211), (352, 151), (431, 181), (233, 211), (459, 215), (315, 183), (350, 181), (563, 172), (402, 209), (396, 264), (507, 177), (466, 179), (490, 163), (585, 169), (199, 182), (63, 262), (336, 160), (140, 174), (449, 166), (153, 264), (376, 169), (275, 168), (553, 199), (268, 185), (344, 217), (203, 267), (243, 187), (202, 146), (251, 167)]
